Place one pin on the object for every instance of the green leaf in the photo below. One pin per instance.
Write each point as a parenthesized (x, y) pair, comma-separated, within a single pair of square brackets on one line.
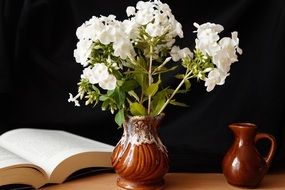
[(158, 101), (105, 104), (187, 84), (95, 89), (141, 62), (152, 89), (119, 96), (133, 94), (110, 92), (103, 98), (128, 63), (137, 109), (138, 71), (141, 79), (179, 76), (120, 117), (173, 102), (117, 74), (129, 85)]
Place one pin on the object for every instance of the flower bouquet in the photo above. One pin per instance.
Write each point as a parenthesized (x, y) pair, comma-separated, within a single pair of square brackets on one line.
[(124, 67), (124, 61)]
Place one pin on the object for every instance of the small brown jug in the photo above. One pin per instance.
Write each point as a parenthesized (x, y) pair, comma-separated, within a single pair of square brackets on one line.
[(242, 165)]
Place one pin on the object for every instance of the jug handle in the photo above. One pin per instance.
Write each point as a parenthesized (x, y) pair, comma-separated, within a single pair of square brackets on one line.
[(272, 149)]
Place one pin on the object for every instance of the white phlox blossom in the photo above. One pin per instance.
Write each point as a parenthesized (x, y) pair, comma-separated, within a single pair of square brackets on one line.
[(88, 30), (105, 30), (124, 62), (207, 37), (87, 34), (131, 28), (109, 83), (157, 18), (99, 74), (130, 11), (235, 42), (96, 74), (144, 13), (206, 27), (225, 55), (74, 99), (177, 53), (215, 77), (82, 52)]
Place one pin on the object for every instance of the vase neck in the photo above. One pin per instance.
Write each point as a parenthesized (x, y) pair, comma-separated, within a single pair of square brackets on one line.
[(244, 133), (149, 123), (140, 130)]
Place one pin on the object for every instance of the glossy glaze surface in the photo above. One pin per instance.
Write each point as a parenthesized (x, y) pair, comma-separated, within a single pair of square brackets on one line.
[(140, 159), (243, 166)]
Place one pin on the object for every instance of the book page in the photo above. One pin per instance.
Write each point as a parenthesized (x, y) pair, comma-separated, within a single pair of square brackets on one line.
[(16, 170), (9, 159), (48, 148)]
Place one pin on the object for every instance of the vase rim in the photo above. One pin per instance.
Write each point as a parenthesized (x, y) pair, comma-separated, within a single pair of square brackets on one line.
[(243, 125), (145, 116)]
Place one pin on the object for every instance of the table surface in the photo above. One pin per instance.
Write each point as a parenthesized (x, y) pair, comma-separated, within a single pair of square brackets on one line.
[(174, 181)]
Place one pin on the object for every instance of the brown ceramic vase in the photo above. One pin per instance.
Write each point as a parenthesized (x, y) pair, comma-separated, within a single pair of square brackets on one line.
[(243, 166), (140, 159)]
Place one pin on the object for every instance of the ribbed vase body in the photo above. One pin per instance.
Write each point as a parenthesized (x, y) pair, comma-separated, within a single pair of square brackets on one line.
[(140, 159)]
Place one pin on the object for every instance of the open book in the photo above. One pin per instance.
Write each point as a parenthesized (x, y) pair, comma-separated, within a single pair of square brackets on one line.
[(40, 156)]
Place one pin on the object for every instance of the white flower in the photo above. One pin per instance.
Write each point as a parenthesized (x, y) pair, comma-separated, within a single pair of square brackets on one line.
[(123, 49), (109, 83), (87, 74), (82, 52), (157, 18), (144, 13), (154, 29), (106, 30), (222, 52), (178, 29), (214, 28), (215, 77), (140, 48), (88, 30), (115, 33), (222, 60), (100, 74), (174, 53), (177, 53), (106, 36), (235, 40), (207, 37), (110, 31), (130, 10), (74, 99), (227, 54), (97, 74), (186, 52), (206, 47), (131, 28)]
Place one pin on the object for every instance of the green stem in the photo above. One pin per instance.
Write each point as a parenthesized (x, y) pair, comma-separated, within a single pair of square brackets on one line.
[(174, 92), (149, 78)]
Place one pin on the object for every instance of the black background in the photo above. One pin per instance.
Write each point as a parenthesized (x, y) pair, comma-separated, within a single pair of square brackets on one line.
[(38, 70)]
